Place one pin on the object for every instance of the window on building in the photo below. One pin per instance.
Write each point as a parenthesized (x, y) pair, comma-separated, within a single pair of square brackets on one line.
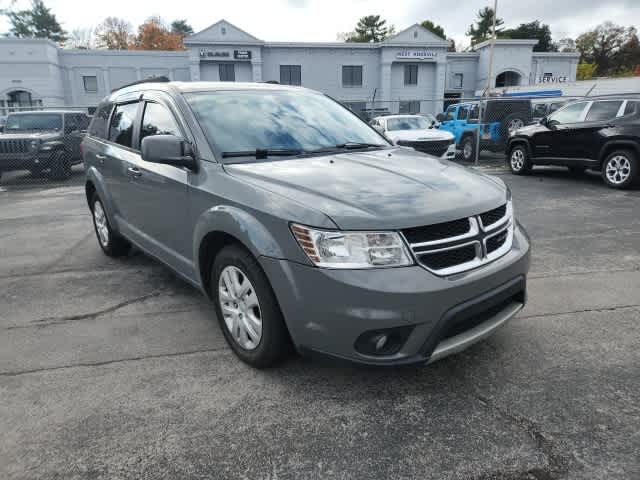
[(603, 110), (158, 120), (90, 83), (410, 106), (352, 75), (457, 80), (290, 75), (411, 74), (227, 72), (121, 129)]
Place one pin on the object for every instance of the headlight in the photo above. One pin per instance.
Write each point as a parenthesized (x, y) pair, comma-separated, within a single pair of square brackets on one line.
[(338, 249)]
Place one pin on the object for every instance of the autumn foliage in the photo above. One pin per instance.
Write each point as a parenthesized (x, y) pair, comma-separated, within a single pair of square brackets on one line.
[(154, 35)]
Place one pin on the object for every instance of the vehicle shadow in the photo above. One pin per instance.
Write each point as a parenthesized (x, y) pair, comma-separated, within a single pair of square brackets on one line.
[(24, 179)]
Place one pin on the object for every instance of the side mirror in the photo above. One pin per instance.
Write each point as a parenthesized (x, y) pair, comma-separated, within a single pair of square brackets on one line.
[(440, 117), (168, 150)]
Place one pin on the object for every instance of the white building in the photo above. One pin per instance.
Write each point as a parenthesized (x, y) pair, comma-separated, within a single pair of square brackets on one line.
[(409, 72)]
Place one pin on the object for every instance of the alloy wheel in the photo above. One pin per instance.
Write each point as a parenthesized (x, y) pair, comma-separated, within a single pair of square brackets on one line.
[(517, 159), (618, 169), (240, 307), (102, 227), (515, 124), (467, 150)]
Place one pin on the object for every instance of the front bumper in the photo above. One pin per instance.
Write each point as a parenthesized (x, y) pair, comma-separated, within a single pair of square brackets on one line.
[(328, 310), (34, 160)]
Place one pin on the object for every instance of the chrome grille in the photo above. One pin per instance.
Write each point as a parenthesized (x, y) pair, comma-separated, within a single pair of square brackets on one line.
[(453, 247), (14, 146)]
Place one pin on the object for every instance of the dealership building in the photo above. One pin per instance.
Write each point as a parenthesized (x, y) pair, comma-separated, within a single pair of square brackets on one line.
[(411, 72)]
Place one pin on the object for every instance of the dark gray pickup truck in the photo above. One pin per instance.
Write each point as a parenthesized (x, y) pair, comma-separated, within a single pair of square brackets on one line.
[(43, 141), (303, 225)]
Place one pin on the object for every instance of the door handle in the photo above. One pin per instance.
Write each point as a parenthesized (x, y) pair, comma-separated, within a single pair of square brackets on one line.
[(101, 157), (134, 172)]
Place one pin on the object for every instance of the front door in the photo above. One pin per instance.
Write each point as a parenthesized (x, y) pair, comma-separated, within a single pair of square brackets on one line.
[(160, 210), (552, 138)]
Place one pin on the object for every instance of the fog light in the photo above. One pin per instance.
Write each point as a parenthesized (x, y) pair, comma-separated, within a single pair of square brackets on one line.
[(386, 341), (381, 341)]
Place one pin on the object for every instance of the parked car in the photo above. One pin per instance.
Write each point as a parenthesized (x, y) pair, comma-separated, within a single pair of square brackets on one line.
[(418, 132), (43, 140), (499, 117), (542, 107), (302, 224), (598, 134)]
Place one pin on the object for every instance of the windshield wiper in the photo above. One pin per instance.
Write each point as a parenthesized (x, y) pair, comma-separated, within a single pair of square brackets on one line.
[(356, 145), (262, 153)]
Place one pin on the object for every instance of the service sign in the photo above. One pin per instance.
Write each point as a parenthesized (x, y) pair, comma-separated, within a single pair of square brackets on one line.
[(206, 53), (417, 54), (552, 79), (242, 54)]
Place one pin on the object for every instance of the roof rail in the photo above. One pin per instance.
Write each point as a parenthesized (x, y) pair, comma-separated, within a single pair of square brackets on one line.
[(159, 79)]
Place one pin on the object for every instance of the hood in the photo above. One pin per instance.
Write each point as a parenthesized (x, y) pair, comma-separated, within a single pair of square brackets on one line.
[(413, 135), (30, 135), (382, 189)]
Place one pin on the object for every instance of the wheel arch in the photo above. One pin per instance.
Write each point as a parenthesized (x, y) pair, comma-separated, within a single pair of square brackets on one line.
[(518, 141), (94, 183), (613, 145)]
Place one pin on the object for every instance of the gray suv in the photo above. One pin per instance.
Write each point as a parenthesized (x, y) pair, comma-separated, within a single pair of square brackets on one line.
[(43, 141), (303, 225)]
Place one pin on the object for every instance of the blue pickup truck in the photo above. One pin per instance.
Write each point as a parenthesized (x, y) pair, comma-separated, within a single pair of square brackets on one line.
[(499, 118)]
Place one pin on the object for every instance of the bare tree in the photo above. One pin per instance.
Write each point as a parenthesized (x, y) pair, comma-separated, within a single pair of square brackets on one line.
[(115, 34)]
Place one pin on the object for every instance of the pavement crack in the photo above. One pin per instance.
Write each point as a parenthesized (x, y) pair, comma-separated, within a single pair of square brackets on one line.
[(16, 373), (585, 310), (87, 316), (557, 462)]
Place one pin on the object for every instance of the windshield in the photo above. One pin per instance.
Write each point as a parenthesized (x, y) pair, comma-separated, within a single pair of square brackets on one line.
[(250, 120), (407, 123), (36, 121)]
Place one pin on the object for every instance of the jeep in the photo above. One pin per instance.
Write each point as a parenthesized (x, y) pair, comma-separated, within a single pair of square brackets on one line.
[(304, 226), (43, 140), (499, 117)]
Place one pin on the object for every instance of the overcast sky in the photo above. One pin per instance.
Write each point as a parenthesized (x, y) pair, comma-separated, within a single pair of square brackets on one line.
[(321, 20)]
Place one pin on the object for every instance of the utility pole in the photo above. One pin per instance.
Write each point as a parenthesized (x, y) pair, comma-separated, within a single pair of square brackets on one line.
[(489, 80)]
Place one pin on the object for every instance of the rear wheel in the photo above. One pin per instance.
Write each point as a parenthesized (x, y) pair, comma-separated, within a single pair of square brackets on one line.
[(620, 169), (247, 309), (519, 161), (468, 147), (111, 243)]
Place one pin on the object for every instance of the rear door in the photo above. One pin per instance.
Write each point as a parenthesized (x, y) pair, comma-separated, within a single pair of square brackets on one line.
[(586, 136), (160, 211)]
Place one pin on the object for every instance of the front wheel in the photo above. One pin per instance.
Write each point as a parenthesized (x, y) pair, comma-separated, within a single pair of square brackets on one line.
[(519, 162), (247, 309), (620, 169), (468, 147), (111, 243)]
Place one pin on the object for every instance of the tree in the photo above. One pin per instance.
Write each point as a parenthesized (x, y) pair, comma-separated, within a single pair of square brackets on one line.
[(433, 28), (566, 45), (627, 60), (154, 35), (81, 39), (602, 46), (37, 22), (115, 34), (371, 29), (181, 27), (452, 45), (533, 30), (484, 24), (585, 71)]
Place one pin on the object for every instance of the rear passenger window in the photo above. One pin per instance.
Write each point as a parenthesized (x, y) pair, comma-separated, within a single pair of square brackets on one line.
[(603, 110), (99, 124), (121, 129), (463, 113), (630, 108), (158, 120)]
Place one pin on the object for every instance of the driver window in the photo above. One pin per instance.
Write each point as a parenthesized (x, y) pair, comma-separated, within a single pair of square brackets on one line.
[(158, 120), (463, 113), (569, 114), (451, 114)]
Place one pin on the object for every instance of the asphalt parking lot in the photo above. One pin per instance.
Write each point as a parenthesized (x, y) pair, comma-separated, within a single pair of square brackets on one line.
[(116, 369)]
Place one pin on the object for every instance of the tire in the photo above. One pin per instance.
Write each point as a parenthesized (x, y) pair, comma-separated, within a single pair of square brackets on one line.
[(60, 166), (519, 161), (620, 169), (260, 348), (468, 147), (511, 122), (111, 243)]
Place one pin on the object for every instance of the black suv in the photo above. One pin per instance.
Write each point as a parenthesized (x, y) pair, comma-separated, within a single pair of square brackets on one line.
[(45, 140), (601, 134)]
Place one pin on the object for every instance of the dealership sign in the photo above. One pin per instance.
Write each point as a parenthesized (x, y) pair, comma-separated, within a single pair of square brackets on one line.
[(417, 54), (552, 79), (242, 54), (207, 53)]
